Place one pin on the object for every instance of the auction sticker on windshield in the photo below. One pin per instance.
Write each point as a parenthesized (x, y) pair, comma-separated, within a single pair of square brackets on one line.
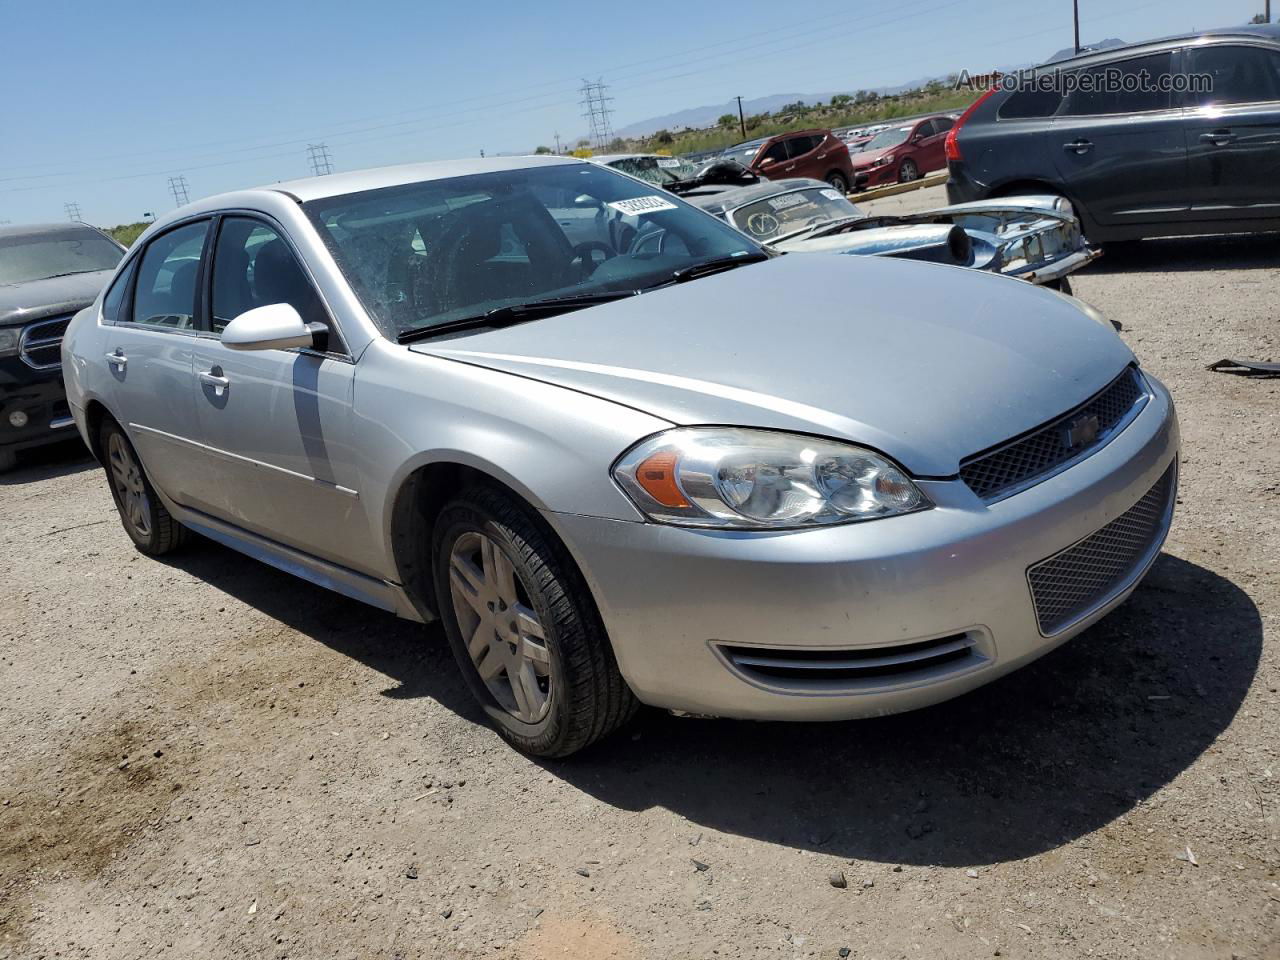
[(668, 163), (787, 200), (639, 205)]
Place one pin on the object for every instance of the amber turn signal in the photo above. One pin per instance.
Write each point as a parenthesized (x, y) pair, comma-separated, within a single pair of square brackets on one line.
[(657, 475)]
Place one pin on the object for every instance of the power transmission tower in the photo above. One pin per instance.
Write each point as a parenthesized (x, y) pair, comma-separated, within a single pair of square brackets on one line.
[(596, 110), (73, 211), (178, 187), (318, 157)]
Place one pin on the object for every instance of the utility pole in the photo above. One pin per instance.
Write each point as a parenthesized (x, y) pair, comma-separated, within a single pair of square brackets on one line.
[(73, 211), (595, 110), (557, 136), (1268, 11), (178, 187), (742, 121), (318, 157), (1075, 7)]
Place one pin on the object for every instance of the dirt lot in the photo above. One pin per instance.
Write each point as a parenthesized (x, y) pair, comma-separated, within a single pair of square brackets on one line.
[(206, 758)]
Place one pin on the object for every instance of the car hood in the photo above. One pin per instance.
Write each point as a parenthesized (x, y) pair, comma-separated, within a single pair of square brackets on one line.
[(926, 363), (864, 158), (24, 302)]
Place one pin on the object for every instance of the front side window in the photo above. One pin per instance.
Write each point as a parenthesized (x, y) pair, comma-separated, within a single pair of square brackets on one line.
[(56, 253), (1236, 75), (775, 217), (423, 254), (165, 295), (923, 130), (777, 152), (254, 267), (1129, 86)]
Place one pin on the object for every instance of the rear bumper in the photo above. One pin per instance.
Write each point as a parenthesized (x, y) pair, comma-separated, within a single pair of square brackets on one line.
[(1062, 267), (962, 188), (678, 603)]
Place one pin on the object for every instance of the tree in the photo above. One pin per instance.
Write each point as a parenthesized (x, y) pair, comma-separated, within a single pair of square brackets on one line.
[(664, 136), (542, 150), (728, 121), (840, 100), (1259, 18), (618, 145)]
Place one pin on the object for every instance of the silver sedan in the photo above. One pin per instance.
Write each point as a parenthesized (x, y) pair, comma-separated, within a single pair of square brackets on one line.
[(622, 452)]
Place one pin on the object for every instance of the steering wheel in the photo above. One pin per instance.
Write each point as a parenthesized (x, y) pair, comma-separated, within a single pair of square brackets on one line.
[(582, 253)]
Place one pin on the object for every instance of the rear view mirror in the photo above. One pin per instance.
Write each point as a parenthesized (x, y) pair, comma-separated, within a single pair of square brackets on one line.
[(585, 201), (277, 326)]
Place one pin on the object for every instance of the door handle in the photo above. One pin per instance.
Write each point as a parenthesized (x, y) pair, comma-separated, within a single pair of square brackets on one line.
[(118, 359), (1078, 147), (1219, 138), (215, 379)]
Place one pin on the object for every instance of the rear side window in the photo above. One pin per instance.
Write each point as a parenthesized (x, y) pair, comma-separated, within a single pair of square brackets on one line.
[(1237, 74), (943, 124), (115, 297), (798, 146), (1127, 86), (166, 291), (1030, 104)]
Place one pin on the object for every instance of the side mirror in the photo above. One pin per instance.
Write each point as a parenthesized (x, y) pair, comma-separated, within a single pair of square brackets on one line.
[(277, 326), (766, 162)]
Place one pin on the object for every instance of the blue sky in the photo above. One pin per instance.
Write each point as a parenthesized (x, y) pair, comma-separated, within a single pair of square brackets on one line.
[(100, 103)]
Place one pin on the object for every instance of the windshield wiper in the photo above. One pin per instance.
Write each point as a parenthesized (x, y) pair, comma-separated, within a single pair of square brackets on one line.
[(719, 265), (820, 229), (514, 313)]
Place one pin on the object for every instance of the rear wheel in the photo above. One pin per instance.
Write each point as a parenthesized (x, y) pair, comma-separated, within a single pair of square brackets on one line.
[(523, 627), (145, 519), (838, 181), (908, 171)]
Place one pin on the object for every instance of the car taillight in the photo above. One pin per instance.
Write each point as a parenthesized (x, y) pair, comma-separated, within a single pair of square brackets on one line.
[(951, 147)]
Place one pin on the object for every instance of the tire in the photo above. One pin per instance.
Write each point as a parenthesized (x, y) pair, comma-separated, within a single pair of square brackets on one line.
[(8, 460), (149, 525), (1062, 286), (506, 587), (908, 171), (838, 181)]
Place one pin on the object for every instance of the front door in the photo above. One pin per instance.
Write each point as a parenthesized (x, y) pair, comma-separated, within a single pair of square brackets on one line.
[(1233, 132), (150, 335), (277, 424), (1118, 143)]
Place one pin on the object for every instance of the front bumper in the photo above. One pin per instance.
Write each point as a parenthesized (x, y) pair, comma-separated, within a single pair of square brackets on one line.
[(876, 176), (672, 598), (38, 395)]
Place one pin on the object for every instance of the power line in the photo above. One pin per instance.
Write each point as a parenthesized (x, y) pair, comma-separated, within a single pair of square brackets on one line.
[(596, 110), (73, 211), (178, 187), (318, 157)]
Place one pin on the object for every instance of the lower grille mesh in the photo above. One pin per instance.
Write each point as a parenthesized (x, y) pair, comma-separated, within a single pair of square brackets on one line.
[(1071, 583)]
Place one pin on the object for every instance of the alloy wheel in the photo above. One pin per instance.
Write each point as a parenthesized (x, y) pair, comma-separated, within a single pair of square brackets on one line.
[(504, 637), (130, 486)]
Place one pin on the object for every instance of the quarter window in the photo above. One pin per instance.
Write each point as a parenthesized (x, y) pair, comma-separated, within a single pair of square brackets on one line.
[(254, 267), (115, 297), (1129, 86), (166, 290), (1236, 74)]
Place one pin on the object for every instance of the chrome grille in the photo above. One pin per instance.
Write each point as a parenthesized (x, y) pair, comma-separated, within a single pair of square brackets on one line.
[(1071, 584), (1022, 462), (41, 343)]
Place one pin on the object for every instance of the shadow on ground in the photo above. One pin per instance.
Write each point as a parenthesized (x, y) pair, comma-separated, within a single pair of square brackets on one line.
[(49, 462), (1024, 765), (1174, 254)]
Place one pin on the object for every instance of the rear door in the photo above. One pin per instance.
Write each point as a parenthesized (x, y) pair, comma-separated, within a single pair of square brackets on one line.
[(276, 425), (150, 336), (936, 158), (1119, 144), (803, 157), (1233, 131)]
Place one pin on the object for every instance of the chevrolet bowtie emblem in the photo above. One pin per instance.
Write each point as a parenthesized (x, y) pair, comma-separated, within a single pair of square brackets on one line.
[(1081, 431)]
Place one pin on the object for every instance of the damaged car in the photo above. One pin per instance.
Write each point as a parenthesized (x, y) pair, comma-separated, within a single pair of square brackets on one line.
[(1033, 238)]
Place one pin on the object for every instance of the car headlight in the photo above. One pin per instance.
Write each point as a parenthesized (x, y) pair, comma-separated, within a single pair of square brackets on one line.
[(758, 479), (9, 342), (883, 161)]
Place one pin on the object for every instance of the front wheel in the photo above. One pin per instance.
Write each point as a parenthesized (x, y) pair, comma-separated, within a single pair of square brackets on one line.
[(523, 627), (908, 171), (145, 519), (838, 181)]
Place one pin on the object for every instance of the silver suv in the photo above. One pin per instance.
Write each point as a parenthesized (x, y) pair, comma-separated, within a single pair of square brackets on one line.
[(623, 453)]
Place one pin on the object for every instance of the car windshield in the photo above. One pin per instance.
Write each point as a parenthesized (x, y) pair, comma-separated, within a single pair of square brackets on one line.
[(659, 170), (791, 212), (888, 138), (424, 254), (39, 256), (744, 153)]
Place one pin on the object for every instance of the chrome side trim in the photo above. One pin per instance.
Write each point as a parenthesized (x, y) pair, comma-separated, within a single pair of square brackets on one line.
[(227, 455), (61, 423)]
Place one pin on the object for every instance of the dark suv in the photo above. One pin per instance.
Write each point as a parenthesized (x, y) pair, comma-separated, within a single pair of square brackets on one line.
[(47, 273), (816, 154), (1174, 155)]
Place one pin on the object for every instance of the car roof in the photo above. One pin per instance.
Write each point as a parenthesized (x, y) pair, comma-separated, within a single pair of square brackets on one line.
[(374, 178), (1251, 31), (38, 229)]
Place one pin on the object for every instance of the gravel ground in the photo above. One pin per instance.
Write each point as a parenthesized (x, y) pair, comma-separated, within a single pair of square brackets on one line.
[(203, 757)]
